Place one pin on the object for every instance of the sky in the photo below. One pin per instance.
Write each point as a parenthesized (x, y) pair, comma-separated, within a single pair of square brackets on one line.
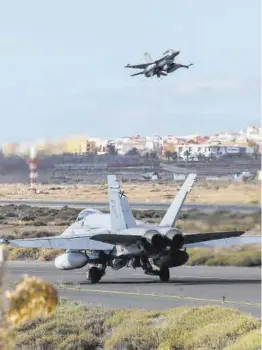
[(62, 67)]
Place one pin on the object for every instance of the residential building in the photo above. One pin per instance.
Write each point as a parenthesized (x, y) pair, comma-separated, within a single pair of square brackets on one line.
[(125, 144), (100, 145), (210, 149)]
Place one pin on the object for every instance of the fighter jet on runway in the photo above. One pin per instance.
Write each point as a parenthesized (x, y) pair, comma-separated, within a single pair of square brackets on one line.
[(162, 66), (116, 239)]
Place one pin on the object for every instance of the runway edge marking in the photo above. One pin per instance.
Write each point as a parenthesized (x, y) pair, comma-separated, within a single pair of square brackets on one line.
[(172, 296)]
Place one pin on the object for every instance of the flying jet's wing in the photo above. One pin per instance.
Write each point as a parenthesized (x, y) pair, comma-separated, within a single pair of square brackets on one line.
[(173, 211), (137, 66), (132, 75)]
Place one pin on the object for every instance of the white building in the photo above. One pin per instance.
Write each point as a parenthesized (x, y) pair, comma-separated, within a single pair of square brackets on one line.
[(252, 133), (154, 143), (125, 144), (210, 149), (100, 144)]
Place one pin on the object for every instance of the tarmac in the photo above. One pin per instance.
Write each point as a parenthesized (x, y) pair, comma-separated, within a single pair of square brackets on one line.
[(235, 287)]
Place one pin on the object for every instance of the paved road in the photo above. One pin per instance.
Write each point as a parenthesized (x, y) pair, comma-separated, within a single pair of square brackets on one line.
[(135, 205), (191, 286)]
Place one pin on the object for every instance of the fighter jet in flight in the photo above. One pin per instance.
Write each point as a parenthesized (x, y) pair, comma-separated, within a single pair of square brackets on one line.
[(161, 67), (116, 240)]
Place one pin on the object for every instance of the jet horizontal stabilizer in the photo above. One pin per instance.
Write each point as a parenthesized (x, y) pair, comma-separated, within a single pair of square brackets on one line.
[(209, 236), (226, 242)]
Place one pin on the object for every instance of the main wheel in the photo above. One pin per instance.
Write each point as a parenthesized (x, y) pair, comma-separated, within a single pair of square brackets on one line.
[(94, 274), (164, 274)]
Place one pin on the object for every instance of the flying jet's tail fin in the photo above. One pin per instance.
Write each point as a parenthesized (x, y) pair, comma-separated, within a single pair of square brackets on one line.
[(148, 57), (173, 211), (120, 211)]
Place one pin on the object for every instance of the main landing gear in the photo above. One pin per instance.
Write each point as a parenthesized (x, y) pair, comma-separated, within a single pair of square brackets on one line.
[(94, 274), (96, 271), (163, 272)]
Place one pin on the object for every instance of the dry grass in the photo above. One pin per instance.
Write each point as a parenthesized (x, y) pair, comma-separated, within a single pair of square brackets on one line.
[(75, 326), (32, 253), (233, 256), (203, 192)]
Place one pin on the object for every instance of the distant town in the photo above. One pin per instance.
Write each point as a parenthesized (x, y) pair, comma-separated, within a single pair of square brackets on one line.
[(80, 159), (191, 147)]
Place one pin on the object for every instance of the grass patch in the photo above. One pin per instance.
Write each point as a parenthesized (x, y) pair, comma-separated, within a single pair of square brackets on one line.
[(23, 253), (74, 326), (239, 256), (32, 253), (37, 216)]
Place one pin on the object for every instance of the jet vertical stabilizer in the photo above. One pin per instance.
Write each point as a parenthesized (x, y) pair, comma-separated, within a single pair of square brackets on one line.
[(173, 211), (120, 211), (148, 57)]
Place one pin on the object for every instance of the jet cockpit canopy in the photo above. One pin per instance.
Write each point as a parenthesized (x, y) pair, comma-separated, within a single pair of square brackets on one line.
[(88, 211)]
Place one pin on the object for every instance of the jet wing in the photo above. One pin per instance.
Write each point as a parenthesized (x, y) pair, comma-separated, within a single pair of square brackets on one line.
[(80, 242), (213, 239), (138, 66)]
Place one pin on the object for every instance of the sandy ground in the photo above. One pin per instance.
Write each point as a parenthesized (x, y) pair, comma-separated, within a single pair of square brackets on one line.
[(228, 193)]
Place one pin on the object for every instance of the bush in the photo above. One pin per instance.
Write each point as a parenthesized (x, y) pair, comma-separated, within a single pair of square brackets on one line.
[(23, 253), (74, 326), (39, 223), (50, 254)]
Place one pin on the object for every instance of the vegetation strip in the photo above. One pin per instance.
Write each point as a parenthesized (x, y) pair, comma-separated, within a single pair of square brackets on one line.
[(75, 326)]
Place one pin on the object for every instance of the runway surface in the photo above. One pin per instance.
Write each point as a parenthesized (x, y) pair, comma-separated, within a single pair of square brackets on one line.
[(128, 288), (135, 205)]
